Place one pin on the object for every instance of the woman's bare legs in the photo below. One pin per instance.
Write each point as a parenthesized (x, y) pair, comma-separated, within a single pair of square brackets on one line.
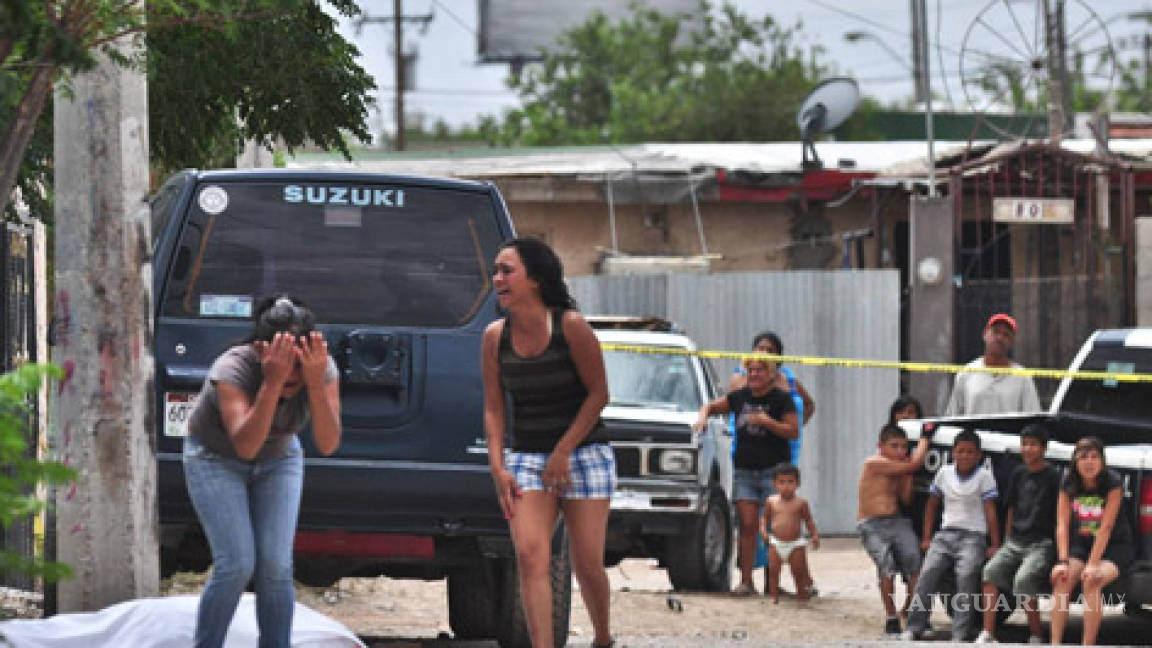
[(1060, 592), (749, 513), (1094, 580), (587, 521), (532, 527)]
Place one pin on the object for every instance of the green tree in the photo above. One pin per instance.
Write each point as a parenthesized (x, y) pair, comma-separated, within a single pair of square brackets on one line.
[(277, 65), (23, 472), (1133, 85), (644, 79), (292, 78)]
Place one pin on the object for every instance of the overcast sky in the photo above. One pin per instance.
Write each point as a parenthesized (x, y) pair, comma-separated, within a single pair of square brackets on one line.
[(452, 85)]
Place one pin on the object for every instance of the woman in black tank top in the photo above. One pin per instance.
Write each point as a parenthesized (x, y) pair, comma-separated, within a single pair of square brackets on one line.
[(544, 359)]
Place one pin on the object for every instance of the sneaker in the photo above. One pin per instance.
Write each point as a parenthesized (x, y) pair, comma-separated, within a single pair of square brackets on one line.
[(892, 627), (927, 633), (1035, 640), (908, 635), (985, 637)]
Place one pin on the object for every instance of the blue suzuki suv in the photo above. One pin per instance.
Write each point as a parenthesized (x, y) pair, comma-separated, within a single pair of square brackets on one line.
[(397, 270)]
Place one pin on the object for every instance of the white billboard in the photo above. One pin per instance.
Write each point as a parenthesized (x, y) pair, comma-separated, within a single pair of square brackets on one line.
[(516, 30)]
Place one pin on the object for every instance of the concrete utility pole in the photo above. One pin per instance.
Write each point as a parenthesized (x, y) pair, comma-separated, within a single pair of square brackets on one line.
[(1058, 96), (919, 51), (920, 13), (102, 412), (398, 38)]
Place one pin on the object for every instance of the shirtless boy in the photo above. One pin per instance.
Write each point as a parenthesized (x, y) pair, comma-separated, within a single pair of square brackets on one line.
[(885, 483), (780, 526)]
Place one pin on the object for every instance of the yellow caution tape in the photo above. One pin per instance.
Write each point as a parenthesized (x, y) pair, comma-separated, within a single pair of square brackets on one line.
[(923, 367)]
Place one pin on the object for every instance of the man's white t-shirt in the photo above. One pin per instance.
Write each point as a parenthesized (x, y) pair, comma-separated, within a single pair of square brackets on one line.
[(964, 497), (984, 393)]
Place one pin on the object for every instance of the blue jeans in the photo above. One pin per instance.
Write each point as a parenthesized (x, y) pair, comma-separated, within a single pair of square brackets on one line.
[(962, 552), (752, 484), (248, 511)]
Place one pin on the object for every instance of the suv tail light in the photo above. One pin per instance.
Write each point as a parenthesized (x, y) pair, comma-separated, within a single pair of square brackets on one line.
[(1146, 507)]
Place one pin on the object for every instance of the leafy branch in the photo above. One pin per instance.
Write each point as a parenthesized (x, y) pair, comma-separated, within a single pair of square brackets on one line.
[(23, 472)]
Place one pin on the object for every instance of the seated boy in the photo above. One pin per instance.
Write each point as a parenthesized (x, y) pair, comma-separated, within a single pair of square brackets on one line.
[(1023, 563), (885, 483), (968, 491), (780, 525)]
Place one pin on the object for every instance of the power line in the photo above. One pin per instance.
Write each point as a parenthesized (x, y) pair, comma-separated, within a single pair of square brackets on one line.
[(861, 18), (872, 23), (452, 91), (940, 53), (459, 21)]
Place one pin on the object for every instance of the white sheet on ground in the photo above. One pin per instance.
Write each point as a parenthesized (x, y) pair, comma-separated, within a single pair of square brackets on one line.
[(166, 623)]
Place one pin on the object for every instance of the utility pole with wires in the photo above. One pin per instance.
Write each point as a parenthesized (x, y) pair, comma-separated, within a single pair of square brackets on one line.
[(398, 19), (919, 51), (1059, 92)]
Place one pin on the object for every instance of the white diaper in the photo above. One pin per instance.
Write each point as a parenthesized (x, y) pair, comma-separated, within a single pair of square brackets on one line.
[(785, 547)]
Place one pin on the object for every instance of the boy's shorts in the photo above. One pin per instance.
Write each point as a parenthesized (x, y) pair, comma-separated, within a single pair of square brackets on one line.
[(1021, 568), (892, 545), (591, 469), (752, 484)]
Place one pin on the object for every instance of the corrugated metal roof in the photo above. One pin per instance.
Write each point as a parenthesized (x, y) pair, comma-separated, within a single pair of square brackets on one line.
[(901, 158)]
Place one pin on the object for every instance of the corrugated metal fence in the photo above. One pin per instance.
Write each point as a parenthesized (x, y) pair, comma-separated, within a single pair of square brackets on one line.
[(827, 313)]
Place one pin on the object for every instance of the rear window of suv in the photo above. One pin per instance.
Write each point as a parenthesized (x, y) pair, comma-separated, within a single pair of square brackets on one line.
[(378, 254), (1113, 398)]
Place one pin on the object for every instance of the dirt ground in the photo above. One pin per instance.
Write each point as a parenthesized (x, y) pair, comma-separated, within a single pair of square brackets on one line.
[(390, 613), (847, 607), (643, 605)]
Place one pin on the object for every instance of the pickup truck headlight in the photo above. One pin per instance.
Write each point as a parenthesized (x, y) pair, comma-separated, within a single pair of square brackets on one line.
[(676, 462)]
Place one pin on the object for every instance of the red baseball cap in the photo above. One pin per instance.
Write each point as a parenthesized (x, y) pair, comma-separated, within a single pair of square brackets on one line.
[(1002, 317)]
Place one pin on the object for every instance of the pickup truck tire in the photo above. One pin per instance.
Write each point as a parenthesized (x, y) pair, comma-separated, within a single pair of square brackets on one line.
[(472, 600), (512, 627), (699, 559)]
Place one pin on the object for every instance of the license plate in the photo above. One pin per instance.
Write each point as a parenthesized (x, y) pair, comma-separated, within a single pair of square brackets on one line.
[(177, 409)]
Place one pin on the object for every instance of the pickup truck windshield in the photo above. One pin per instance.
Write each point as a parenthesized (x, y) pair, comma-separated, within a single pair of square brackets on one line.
[(1121, 400), (389, 255), (651, 380)]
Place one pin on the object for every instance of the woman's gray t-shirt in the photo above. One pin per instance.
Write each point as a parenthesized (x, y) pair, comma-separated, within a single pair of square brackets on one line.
[(240, 367)]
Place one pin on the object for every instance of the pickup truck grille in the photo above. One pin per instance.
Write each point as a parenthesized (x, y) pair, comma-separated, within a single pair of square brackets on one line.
[(627, 461)]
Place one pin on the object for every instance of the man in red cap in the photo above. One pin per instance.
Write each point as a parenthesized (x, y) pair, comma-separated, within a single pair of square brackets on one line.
[(977, 393)]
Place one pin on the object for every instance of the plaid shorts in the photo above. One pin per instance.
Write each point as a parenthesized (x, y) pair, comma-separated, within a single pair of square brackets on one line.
[(592, 470)]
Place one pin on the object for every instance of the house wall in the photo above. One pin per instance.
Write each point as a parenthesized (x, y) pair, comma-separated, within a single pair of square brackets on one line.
[(746, 236)]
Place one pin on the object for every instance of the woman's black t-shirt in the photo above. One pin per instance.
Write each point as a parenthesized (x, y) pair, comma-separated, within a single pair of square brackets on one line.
[(757, 447), (1088, 513)]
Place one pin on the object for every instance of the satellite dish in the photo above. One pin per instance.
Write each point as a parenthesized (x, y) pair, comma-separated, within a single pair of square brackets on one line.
[(825, 108)]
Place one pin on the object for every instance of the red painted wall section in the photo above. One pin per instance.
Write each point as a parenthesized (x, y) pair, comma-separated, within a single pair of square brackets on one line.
[(825, 184)]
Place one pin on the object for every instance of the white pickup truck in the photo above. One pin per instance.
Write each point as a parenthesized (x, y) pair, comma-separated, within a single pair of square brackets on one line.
[(1119, 412), (672, 499)]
